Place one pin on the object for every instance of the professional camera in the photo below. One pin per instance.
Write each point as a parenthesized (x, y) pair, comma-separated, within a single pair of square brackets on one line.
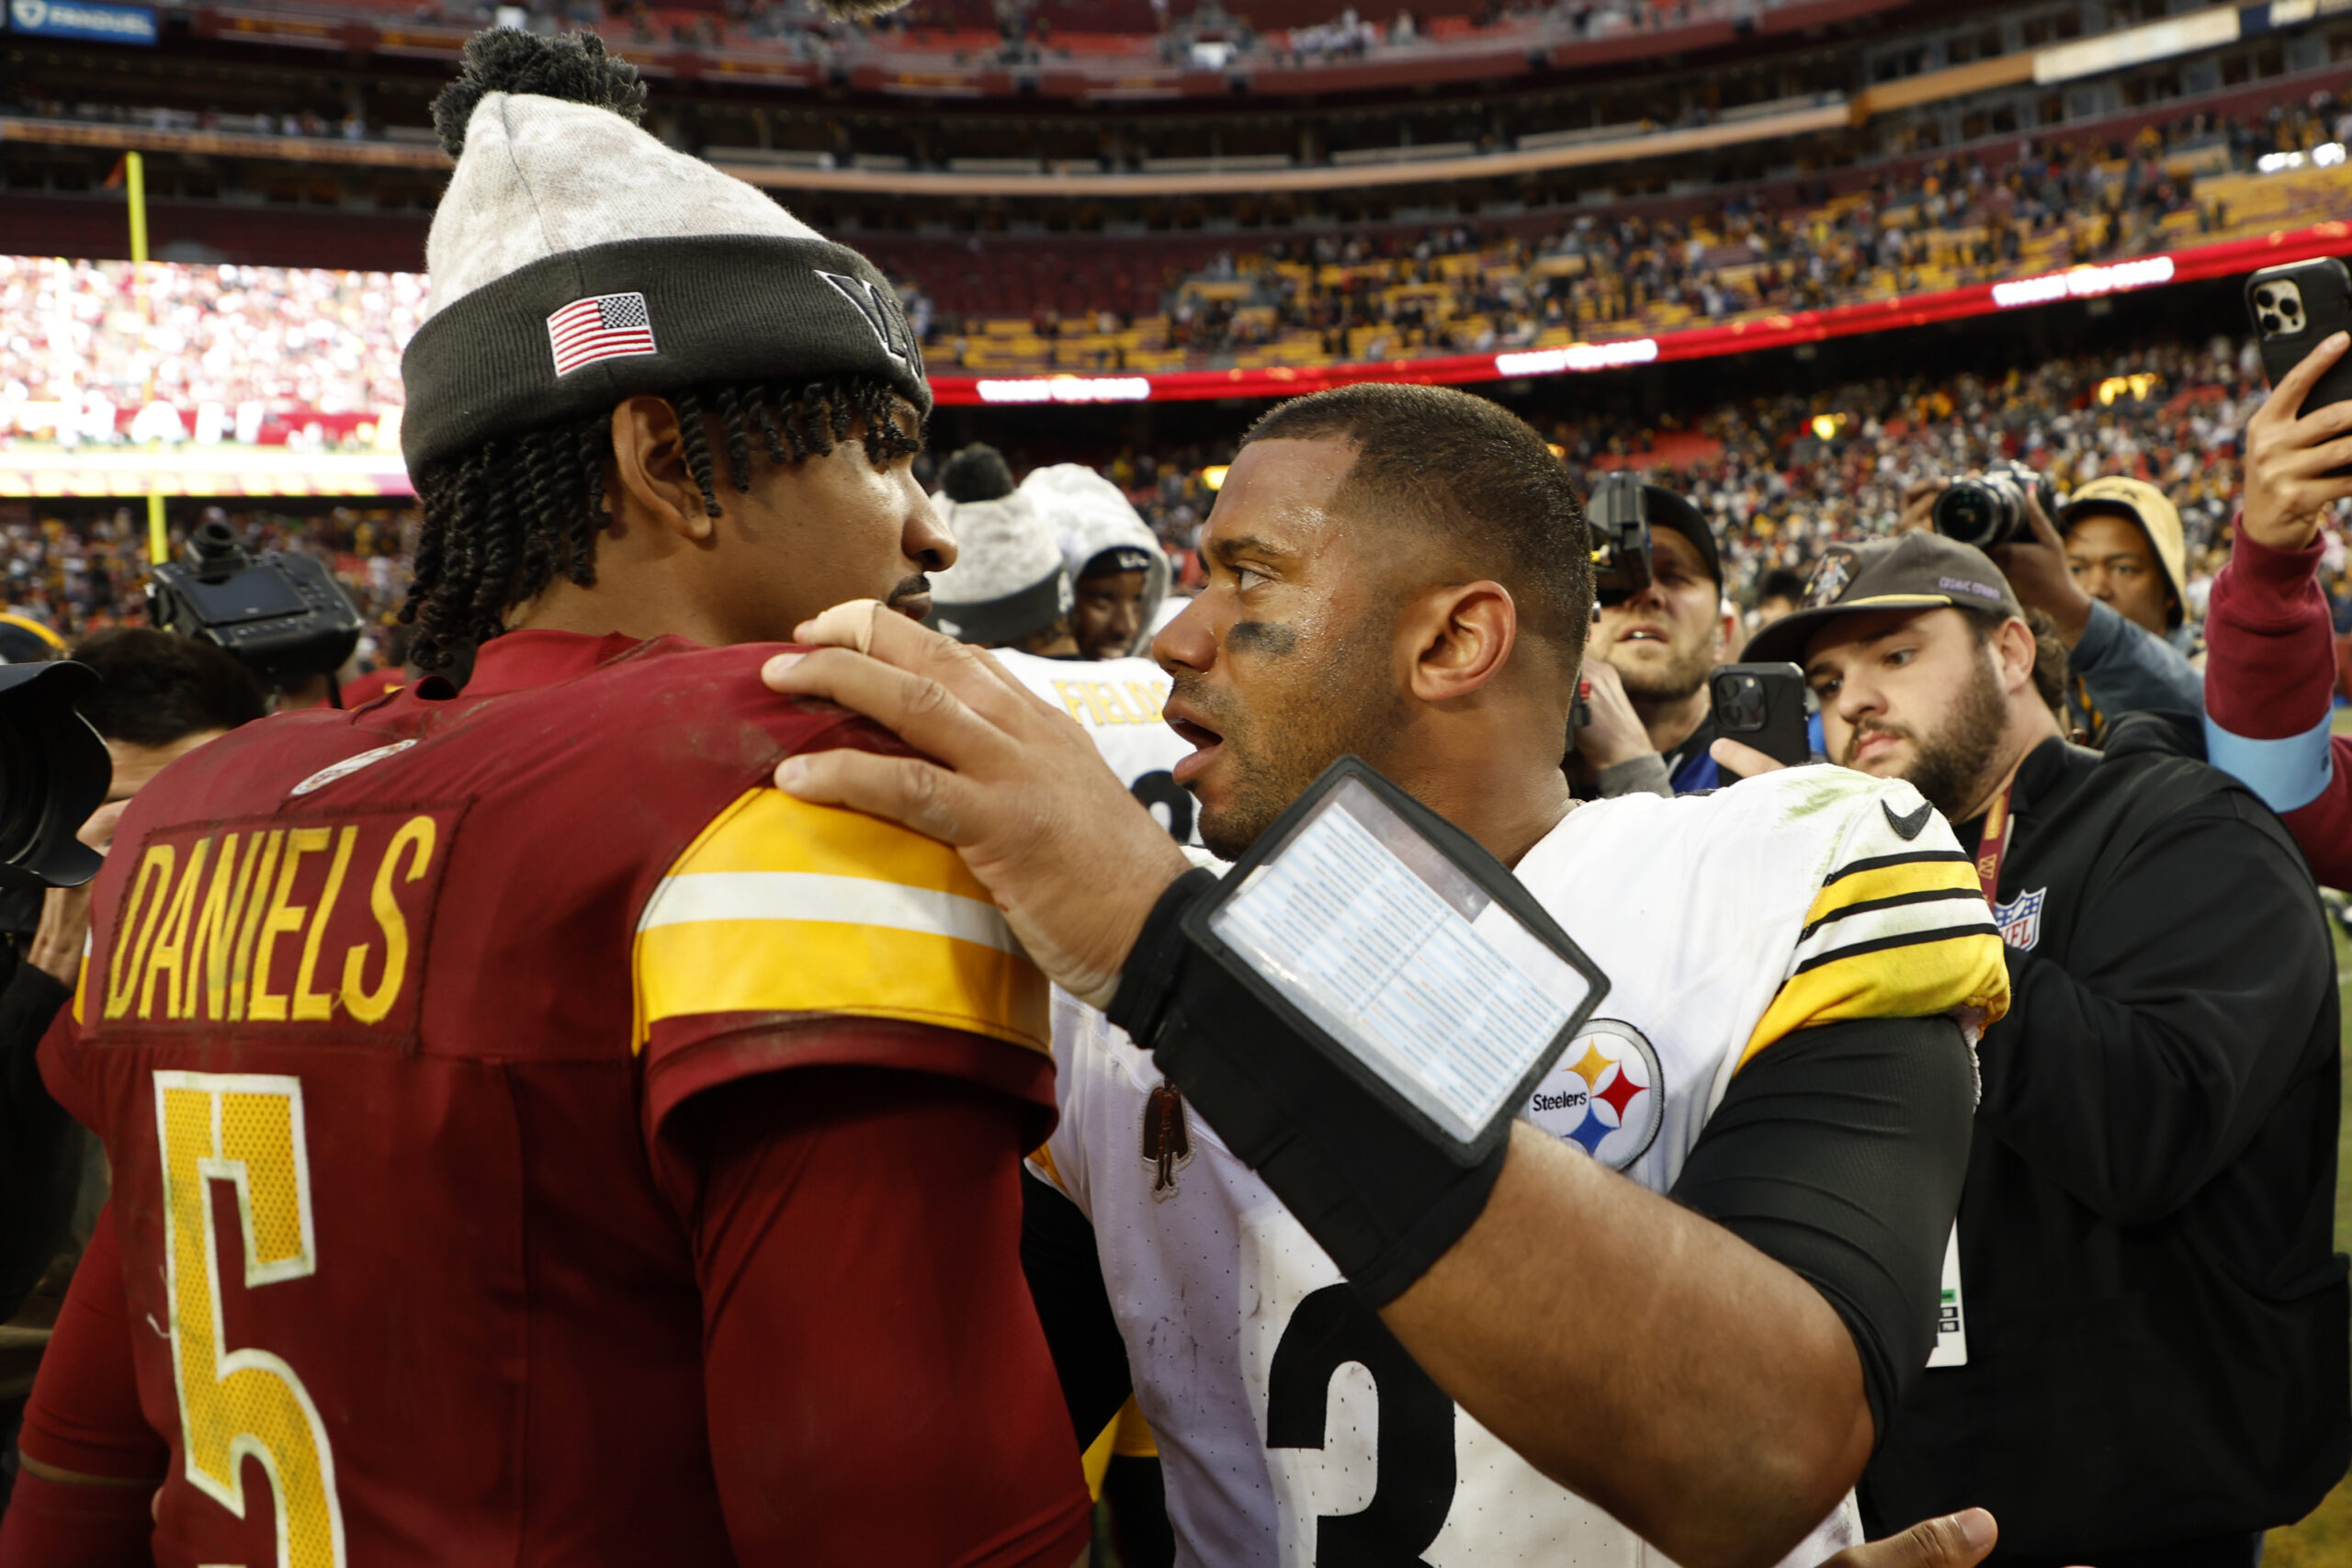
[(1988, 509), (281, 615), (1617, 517), (53, 774)]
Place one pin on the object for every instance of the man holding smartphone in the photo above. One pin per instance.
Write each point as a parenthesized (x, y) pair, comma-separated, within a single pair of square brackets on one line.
[(2270, 669)]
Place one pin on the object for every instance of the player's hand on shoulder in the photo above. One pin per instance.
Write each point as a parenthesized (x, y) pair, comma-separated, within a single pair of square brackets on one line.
[(1014, 783), (1955, 1540)]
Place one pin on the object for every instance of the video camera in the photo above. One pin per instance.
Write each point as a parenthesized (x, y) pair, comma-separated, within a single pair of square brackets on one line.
[(1988, 509), (54, 772), (1616, 516), (282, 615)]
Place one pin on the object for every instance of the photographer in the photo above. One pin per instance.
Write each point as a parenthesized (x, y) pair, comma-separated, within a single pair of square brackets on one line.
[(159, 698), (2111, 583), (2270, 670), (1647, 661), (2149, 1367)]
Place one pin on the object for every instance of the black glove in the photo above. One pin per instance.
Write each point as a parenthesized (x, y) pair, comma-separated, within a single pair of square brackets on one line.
[(1374, 1191)]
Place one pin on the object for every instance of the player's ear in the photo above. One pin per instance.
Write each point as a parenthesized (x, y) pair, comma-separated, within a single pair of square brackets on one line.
[(652, 484), (1461, 635)]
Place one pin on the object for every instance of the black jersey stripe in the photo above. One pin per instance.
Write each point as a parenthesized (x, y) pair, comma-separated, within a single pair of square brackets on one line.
[(1918, 857), (1891, 901), (1880, 944)]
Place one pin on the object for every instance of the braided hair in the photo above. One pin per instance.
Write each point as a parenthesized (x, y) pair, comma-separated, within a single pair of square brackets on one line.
[(505, 519)]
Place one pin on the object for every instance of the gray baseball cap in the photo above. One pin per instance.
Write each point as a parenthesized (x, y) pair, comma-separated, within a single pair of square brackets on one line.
[(1920, 570)]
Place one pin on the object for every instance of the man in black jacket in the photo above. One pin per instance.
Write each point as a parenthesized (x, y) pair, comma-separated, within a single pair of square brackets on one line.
[(2148, 1362)]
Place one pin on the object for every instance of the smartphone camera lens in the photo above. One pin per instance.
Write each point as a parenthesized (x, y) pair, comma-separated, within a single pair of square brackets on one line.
[(1743, 703)]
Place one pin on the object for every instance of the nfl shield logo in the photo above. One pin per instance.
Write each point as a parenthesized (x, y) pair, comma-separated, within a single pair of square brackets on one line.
[(2020, 919)]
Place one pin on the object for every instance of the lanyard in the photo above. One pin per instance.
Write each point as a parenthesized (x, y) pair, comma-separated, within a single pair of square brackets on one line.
[(1994, 842)]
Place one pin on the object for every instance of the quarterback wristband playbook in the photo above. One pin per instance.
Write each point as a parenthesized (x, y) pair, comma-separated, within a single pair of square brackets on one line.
[(1359, 1008)]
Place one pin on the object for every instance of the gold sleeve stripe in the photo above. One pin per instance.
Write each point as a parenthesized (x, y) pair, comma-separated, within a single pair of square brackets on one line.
[(1920, 976), (823, 967), (1135, 1439), (766, 830), (783, 906), (1870, 883), (1042, 1159)]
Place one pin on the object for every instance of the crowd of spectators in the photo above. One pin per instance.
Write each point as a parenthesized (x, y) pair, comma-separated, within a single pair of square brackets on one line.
[(86, 346), (1779, 477), (1942, 223), (86, 573)]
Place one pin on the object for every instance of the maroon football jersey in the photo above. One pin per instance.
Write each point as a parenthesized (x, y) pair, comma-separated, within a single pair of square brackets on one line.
[(385, 1015)]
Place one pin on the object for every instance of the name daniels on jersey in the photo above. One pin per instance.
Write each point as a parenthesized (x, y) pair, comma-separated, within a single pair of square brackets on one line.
[(1099, 702), (247, 923)]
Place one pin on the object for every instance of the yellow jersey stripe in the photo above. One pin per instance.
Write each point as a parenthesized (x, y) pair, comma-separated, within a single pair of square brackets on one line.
[(782, 906), (815, 896), (1889, 881), (1043, 1158), (767, 830), (1921, 979), (824, 966)]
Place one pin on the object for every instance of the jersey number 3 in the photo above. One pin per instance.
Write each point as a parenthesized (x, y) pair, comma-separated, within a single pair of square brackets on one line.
[(245, 1130), (1414, 1489)]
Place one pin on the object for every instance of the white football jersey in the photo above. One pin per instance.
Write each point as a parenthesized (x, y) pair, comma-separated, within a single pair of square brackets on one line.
[(1118, 701), (1290, 1423)]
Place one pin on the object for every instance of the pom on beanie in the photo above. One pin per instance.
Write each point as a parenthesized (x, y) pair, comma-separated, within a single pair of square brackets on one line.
[(979, 472), (570, 66)]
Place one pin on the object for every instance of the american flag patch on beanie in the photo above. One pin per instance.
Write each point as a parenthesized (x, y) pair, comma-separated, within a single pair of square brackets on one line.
[(609, 326)]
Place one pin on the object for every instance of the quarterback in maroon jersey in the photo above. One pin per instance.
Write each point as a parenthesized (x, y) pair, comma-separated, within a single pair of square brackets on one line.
[(536, 1140)]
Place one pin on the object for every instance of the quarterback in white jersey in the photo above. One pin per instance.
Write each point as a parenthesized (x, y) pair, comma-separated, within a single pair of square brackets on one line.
[(1354, 1346), (1289, 1422)]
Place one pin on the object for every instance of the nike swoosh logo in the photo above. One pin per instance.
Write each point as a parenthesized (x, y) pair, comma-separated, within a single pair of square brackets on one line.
[(1907, 827)]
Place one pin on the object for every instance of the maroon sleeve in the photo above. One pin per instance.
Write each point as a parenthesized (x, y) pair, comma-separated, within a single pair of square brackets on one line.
[(2270, 675), (2269, 648), (84, 1419), (869, 1336)]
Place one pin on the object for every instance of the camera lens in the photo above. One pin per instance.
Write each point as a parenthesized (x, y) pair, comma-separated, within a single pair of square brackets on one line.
[(2271, 325), (1970, 511)]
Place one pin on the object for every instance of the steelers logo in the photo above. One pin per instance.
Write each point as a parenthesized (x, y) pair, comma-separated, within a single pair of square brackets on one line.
[(1605, 1094)]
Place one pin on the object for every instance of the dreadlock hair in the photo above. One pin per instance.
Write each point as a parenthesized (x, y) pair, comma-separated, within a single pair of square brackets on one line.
[(504, 520)]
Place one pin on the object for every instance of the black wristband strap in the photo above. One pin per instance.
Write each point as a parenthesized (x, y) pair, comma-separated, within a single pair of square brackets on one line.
[(1368, 1186), (1156, 961)]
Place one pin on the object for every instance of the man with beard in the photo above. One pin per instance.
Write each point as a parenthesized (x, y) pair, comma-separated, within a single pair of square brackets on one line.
[(1648, 661), (2144, 1360), (1679, 1301)]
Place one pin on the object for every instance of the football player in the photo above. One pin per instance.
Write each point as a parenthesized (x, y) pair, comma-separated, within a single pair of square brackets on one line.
[(1010, 591), (1678, 1309), (533, 1138), (1117, 570)]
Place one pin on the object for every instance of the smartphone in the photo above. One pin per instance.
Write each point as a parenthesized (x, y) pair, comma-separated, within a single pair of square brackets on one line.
[(2294, 307), (1763, 705)]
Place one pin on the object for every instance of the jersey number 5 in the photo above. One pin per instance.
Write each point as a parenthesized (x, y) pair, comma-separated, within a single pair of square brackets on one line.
[(245, 1130), (1414, 1489)]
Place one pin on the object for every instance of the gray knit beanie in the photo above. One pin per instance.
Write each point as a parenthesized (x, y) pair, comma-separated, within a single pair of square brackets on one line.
[(576, 261), (1008, 579)]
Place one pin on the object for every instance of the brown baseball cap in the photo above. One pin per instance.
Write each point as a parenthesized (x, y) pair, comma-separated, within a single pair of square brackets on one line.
[(1919, 571)]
